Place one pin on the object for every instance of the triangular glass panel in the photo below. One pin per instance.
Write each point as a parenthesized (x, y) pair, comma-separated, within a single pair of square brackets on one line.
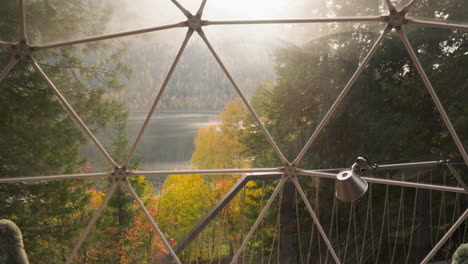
[(277, 9), (190, 5), (442, 55), (399, 4), (38, 136), (111, 84), (9, 24), (200, 121), (293, 73), (57, 21)]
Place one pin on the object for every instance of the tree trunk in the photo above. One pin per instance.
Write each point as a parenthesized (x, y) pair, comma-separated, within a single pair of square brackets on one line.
[(422, 240), (287, 225)]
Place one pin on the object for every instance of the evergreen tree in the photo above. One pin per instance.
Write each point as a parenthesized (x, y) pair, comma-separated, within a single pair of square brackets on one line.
[(38, 137), (388, 115)]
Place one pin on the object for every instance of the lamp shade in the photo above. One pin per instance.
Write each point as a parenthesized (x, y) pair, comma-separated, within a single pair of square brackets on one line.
[(349, 186)]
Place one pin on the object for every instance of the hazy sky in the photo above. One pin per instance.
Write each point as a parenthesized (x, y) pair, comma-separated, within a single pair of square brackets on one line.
[(129, 15)]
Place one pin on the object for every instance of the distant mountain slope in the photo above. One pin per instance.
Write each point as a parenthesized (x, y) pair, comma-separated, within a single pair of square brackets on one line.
[(198, 82)]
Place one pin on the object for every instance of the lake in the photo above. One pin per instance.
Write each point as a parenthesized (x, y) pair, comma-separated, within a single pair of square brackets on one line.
[(168, 141)]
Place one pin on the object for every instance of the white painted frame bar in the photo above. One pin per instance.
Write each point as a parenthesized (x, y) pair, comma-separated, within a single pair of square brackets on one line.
[(22, 20), (457, 176), (415, 185), (57, 177), (445, 237), (316, 220), (259, 219), (295, 21), (255, 172), (390, 5), (408, 6), (95, 216), (5, 44), (72, 113), (8, 68), (416, 22), (109, 36), (150, 218), (207, 172), (325, 173), (244, 99), (434, 96), (201, 8), (341, 96), (181, 8)]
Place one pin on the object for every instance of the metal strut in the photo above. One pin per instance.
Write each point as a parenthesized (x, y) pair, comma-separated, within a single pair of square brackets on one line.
[(22, 50)]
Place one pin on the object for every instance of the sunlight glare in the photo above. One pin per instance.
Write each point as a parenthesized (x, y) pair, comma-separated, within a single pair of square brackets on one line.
[(248, 9)]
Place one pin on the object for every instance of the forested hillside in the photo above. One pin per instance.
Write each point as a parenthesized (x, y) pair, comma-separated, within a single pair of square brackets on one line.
[(198, 82)]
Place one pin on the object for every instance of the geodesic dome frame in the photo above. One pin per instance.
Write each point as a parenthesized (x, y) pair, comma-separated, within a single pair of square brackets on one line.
[(395, 20)]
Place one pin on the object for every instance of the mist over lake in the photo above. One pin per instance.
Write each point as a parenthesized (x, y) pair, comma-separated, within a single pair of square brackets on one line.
[(168, 141)]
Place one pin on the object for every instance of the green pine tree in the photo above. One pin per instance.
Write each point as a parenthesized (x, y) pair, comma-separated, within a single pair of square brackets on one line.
[(37, 136)]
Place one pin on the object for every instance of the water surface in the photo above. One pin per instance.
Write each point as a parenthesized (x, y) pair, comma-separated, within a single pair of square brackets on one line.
[(168, 141)]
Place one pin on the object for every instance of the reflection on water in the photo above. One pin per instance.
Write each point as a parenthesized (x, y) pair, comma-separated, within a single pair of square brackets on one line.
[(167, 143)]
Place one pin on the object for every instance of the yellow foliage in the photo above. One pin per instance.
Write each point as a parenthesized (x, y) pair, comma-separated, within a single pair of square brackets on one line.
[(218, 146), (183, 201), (142, 181), (96, 198)]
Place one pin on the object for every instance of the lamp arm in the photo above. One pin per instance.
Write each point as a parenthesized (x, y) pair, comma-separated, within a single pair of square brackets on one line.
[(409, 165)]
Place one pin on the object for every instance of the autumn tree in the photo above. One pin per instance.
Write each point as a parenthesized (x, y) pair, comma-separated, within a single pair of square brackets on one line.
[(218, 146), (183, 202), (221, 146)]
